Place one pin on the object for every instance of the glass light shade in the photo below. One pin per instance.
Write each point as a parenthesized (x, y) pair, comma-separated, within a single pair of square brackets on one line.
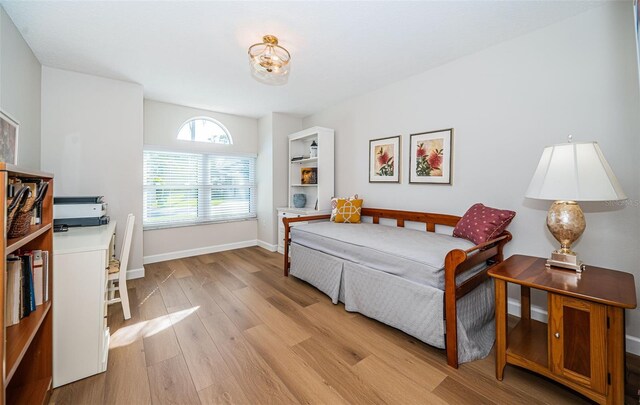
[(574, 172), (269, 62)]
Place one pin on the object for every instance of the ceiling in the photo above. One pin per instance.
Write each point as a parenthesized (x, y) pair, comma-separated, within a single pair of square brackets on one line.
[(194, 53)]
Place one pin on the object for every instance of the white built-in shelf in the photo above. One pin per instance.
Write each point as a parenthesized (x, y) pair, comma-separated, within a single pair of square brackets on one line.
[(307, 160), (318, 196)]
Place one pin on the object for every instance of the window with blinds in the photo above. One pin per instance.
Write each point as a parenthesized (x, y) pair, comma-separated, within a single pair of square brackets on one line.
[(191, 188)]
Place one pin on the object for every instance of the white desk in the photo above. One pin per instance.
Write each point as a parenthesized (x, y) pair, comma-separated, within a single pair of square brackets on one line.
[(80, 332)]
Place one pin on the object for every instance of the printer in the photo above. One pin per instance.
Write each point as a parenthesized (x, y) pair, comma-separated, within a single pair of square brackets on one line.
[(80, 211)]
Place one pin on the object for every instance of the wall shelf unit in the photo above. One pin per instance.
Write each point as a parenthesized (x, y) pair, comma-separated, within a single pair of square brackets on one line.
[(28, 346), (322, 190)]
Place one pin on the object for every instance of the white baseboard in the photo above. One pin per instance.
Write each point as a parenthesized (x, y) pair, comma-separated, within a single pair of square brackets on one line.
[(268, 246), (179, 254), (633, 344), (539, 314), (135, 273)]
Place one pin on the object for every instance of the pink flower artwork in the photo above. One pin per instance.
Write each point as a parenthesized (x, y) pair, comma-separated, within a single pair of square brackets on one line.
[(431, 154), (429, 157), (384, 160)]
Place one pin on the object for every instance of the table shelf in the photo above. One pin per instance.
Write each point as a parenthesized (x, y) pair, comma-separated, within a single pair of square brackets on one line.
[(528, 340)]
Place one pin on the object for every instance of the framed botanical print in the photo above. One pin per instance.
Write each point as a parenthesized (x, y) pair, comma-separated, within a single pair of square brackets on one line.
[(430, 157), (8, 139), (384, 160)]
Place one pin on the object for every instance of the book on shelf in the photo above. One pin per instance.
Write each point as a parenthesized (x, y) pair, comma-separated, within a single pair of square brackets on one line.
[(38, 277), (28, 294), (27, 275), (45, 271), (13, 291)]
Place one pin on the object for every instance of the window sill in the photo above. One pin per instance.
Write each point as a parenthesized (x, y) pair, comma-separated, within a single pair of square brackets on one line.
[(190, 224)]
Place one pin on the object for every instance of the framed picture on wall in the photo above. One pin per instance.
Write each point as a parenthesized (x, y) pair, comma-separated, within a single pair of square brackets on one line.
[(430, 157), (8, 139), (384, 160)]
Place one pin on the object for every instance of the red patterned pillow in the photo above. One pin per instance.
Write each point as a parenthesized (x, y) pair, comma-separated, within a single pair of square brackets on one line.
[(480, 224)]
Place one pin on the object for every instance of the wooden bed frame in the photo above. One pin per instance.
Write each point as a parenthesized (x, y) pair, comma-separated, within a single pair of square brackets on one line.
[(457, 261)]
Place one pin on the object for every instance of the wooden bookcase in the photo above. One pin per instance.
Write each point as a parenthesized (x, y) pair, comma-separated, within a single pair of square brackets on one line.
[(27, 352)]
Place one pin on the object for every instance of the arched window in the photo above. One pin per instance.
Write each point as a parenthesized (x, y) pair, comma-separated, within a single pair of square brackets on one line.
[(203, 129)]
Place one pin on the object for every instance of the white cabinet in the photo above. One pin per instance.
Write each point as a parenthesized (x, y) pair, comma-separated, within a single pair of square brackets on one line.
[(318, 194), (80, 331), (293, 213)]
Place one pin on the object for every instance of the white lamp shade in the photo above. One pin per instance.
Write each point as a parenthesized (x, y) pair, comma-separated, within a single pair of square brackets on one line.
[(574, 172)]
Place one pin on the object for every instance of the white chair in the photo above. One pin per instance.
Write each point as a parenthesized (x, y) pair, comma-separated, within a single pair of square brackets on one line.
[(118, 271)]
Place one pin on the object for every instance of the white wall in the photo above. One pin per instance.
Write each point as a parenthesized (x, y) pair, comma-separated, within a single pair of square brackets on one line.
[(20, 73), (506, 103), (283, 126), (162, 122), (92, 141), (264, 178), (273, 172)]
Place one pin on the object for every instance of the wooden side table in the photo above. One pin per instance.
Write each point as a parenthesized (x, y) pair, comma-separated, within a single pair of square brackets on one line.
[(582, 345)]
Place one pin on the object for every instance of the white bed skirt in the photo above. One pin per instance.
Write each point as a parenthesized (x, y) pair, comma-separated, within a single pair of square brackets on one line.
[(415, 309)]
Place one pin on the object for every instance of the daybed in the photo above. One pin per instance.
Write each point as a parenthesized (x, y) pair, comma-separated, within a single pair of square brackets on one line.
[(405, 278)]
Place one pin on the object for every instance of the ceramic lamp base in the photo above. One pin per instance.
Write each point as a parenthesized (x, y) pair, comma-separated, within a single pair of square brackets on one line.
[(566, 223)]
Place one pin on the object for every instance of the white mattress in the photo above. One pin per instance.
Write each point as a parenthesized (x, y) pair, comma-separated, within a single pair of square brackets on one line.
[(411, 254)]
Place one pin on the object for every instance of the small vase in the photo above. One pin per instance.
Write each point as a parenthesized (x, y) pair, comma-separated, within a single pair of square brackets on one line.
[(299, 200)]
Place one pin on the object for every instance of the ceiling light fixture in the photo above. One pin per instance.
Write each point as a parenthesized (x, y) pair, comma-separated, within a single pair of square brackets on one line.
[(269, 62)]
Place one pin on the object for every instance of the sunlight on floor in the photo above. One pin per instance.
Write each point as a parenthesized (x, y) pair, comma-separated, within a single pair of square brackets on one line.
[(155, 289), (129, 334)]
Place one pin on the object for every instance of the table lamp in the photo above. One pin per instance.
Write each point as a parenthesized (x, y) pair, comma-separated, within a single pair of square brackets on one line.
[(568, 173)]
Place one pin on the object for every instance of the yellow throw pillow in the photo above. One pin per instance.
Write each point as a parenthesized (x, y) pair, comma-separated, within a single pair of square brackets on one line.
[(334, 205), (348, 211)]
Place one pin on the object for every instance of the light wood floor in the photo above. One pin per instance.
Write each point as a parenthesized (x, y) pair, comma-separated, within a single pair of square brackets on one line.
[(228, 328)]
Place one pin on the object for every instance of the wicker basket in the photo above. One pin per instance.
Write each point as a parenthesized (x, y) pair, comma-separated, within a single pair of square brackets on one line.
[(20, 224), (10, 216), (19, 198)]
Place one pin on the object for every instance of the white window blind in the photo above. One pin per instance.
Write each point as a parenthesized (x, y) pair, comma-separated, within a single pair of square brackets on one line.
[(191, 188)]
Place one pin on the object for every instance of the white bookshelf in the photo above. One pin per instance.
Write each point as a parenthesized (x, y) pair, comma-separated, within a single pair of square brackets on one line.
[(299, 145), (322, 191)]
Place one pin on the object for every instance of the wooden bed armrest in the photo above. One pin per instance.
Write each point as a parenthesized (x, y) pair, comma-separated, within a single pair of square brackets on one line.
[(287, 235), (457, 262), (504, 235)]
